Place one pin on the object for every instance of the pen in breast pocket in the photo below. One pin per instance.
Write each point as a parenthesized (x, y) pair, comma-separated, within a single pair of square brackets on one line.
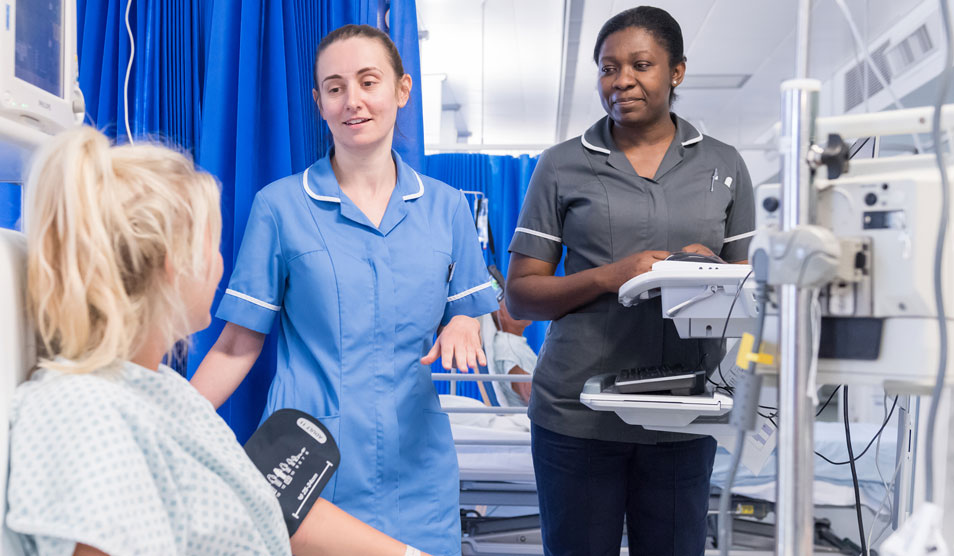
[(715, 178)]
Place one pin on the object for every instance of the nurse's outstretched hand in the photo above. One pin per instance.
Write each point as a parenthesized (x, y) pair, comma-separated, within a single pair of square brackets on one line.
[(458, 345)]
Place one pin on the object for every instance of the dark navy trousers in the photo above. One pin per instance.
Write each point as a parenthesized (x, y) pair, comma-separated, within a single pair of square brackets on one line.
[(586, 486)]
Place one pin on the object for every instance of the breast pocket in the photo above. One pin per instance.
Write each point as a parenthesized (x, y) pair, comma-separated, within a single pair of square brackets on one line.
[(716, 210), (311, 294)]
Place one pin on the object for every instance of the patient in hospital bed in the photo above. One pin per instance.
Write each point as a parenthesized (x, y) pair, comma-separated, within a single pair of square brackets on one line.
[(511, 355), (111, 451)]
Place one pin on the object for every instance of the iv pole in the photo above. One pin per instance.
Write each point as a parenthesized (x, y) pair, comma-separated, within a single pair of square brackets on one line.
[(795, 525)]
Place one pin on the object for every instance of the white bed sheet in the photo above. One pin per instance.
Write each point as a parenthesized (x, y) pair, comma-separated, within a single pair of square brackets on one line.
[(833, 484), (480, 461)]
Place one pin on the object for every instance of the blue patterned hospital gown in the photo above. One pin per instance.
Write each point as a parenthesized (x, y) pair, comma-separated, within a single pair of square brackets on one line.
[(133, 461)]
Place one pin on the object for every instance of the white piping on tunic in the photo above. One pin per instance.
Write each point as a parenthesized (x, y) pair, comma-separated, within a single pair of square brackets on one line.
[(465, 293), (419, 191), (312, 194), (538, 234), (317, 197), (586, 144), (251, 299), (692, 141), (593, 147), (738, 237)]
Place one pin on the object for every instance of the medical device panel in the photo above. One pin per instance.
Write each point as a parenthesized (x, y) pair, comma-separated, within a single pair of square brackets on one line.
[(39, 93)]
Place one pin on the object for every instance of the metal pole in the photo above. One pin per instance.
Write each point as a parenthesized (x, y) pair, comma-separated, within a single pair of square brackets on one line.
[(794, 522), (795, 526)]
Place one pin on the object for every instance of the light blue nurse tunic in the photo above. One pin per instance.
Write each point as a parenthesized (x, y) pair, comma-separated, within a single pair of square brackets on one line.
[(359, 306)]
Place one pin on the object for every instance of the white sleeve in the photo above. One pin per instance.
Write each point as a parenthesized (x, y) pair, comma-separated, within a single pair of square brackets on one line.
[(505, 358), (78, 475)]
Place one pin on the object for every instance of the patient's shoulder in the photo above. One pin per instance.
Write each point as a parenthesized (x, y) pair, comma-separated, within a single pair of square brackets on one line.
[(55, 396)]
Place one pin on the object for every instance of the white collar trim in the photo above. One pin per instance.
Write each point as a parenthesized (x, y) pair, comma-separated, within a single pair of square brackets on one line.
[(420, 191), (692, 141), (592, 147), (329, 199), (312, 194)]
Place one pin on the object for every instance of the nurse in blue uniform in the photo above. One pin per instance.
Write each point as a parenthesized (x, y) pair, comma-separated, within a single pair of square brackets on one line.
[(361, 259)]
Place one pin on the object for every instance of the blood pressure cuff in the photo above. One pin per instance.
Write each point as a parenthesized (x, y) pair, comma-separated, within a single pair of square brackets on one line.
[(298, 456)]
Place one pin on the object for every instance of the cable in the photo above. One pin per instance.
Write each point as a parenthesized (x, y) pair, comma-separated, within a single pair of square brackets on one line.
[(939, 253), (870, 442), (886, 499), (749, 388), (854, 475), (860, 44), (816, 317), (132, 54), (828, 401), (884, 483), (725, 327)]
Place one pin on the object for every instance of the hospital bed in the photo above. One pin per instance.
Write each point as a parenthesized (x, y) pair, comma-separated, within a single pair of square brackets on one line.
[(496, 472)]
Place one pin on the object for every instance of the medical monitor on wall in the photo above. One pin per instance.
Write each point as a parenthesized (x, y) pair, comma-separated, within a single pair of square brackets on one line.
[(39, 94)]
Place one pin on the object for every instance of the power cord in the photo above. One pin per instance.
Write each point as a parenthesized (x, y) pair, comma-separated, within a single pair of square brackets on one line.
[(725, 385), (854, 475), (870, 443), (945, 81), (132, 54), (745, 401)]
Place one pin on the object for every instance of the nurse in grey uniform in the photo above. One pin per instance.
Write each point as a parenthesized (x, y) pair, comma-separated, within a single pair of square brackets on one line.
[(637, 185)]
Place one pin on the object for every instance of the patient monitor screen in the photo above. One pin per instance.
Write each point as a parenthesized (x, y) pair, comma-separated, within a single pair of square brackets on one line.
[(38, 36)]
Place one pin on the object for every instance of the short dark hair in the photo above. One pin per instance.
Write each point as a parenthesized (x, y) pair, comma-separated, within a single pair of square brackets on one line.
[(656, 22), (350, 31)]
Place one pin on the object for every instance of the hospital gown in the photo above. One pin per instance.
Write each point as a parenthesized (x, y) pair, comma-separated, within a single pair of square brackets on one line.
[(133, 461)]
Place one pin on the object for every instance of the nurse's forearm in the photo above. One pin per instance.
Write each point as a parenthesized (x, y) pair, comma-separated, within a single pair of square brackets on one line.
[(227, 363), (328, 530), (534, 293)]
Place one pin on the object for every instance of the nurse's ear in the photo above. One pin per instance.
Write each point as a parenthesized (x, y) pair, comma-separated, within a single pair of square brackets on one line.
[(317, 97), (403, 90), (678, 73)]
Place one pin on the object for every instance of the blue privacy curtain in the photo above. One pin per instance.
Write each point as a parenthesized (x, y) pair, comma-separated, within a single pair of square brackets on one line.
[(230, 81)]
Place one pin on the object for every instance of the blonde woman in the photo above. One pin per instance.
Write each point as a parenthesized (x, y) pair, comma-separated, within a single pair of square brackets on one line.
[(111, 451)]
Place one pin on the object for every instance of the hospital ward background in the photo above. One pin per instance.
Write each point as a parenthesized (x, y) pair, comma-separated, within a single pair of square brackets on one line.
[(831, 401)]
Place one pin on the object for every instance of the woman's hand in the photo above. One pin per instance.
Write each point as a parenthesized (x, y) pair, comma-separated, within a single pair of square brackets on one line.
[(458, 344), (618, 273), (699, 249)]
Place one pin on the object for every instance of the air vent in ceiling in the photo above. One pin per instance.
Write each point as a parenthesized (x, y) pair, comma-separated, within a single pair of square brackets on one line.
[(855, 80), (909, 52)]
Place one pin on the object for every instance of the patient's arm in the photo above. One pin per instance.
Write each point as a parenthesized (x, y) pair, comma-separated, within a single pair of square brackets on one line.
[(84, 550), (227, 363), (522, 389), (328, 530)]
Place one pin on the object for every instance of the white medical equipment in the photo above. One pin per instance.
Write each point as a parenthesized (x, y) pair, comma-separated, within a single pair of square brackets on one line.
[(697, 296), (39, 92), (17, 354)]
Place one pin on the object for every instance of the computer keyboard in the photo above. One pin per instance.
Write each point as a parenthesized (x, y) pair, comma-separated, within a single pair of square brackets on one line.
[(675, 380)]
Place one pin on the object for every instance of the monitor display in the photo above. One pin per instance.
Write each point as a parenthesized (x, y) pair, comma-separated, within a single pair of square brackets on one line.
[(38, 50)]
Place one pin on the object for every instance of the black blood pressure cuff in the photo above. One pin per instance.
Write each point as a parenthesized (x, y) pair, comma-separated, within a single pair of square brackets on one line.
[(298, 456)]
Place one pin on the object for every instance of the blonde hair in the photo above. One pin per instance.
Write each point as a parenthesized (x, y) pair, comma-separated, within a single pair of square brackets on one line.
[(101, 222)]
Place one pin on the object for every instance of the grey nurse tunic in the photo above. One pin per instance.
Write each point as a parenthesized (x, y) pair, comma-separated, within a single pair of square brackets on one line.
[(585, 196)]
